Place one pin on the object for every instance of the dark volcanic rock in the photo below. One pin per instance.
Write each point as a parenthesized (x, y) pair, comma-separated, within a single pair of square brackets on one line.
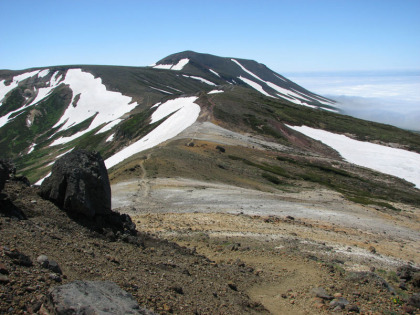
[(79, 184), (4, 173), (92, 297)]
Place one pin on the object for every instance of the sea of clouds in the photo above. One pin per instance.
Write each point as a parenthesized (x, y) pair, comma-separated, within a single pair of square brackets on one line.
[(391, 97)]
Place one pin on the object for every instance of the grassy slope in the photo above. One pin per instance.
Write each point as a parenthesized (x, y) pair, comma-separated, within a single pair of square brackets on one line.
[(250, 110)]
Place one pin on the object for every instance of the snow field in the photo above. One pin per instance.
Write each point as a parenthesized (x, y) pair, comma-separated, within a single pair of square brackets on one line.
[(397, 162), (183, 113), (179, 66), (95, 100)]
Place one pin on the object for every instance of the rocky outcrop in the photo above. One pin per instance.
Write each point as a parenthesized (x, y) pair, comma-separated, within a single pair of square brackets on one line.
[(4, 173), (79, 184), (92, 297)]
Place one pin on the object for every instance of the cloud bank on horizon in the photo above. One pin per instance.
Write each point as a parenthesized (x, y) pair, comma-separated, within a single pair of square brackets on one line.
[(387, 97)]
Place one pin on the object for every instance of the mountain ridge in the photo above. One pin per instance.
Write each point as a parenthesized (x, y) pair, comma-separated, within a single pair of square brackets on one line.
[(48, 111)]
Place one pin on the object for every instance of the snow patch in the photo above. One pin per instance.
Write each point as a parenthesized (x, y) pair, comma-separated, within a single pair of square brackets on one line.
[(38, 183), (163, 91), (163, 67), (4, 89), (184, 113), (43, 73), (255, 85), (95, 101), (215, 92), (392, 161), (110, 138), (214, 72), (31, 148), (200, 79), (181, 64)]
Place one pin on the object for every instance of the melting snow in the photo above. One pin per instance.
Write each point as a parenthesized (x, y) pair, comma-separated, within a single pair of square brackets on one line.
[(214, 72), (110, 138), (44, 92), (215, 92), (38, 183), (199, 79), (280, 77), (4, 89), (109, 126), (43, 73), (255, 85), (181, 64), (95, 100), (283, 93), (163, 67), (160, 90), (184, 113), (396, 162), (31, 148)]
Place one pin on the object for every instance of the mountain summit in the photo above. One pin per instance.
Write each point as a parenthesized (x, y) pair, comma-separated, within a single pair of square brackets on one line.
[(242, 72)]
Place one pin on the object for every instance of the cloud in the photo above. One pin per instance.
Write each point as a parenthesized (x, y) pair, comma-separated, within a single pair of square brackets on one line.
[(387, 97), (403, 114)]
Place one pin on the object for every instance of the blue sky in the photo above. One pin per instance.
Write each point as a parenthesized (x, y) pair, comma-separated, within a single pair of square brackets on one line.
[(295, 35)]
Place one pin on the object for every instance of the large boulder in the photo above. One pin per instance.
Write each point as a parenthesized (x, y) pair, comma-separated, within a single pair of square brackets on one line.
[(79, 184), (93, 298)]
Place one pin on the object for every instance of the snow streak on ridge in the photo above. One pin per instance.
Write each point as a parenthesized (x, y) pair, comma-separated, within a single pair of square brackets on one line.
[(180, 113), (199, 79)]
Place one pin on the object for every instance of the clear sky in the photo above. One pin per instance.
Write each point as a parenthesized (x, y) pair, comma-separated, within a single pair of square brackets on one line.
[(293, 35)]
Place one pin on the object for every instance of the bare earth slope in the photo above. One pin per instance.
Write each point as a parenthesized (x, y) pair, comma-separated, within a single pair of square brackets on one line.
[(297, 238)]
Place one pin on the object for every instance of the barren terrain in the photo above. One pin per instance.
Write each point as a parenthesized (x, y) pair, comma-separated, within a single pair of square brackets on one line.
[(299, 239)]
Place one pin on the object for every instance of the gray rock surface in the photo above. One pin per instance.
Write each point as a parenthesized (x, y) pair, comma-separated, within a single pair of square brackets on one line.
[(92, 297), (79, 184)]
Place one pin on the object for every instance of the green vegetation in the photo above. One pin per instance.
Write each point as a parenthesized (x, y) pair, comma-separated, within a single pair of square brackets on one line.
[(271, 178), (13, 102), (352, 186)]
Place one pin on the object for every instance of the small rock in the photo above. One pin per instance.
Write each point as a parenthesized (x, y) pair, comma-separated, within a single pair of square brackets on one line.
[(50, 264), (232, 286), (341, 302), (53, 266), (337, 295), (19, 259), (42, 260), (177, 289), (353, 308), (221, 149), (4, 278), (372, 249), (321, 293), (55, 277), (3, 269)]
